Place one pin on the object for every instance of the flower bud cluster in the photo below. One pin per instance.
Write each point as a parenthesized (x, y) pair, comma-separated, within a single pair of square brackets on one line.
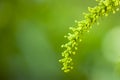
[(103, 8)]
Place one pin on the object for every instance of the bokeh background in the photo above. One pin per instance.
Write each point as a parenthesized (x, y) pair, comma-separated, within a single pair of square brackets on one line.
[(31, 33)]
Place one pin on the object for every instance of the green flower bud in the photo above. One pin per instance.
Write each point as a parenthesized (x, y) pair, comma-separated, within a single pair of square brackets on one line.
[(103, 8)]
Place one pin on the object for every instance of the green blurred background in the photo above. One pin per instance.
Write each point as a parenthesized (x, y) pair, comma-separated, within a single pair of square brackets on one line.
[(31, 33)]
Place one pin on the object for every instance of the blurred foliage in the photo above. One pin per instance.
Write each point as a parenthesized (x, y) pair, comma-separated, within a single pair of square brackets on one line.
[(31, 32)]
